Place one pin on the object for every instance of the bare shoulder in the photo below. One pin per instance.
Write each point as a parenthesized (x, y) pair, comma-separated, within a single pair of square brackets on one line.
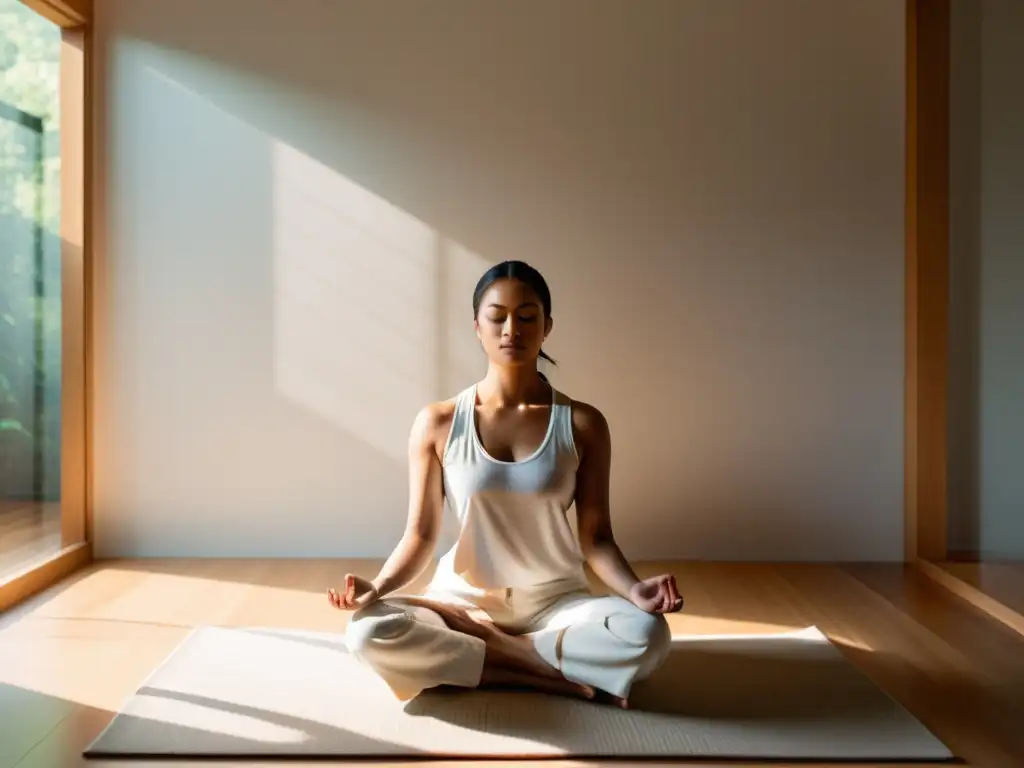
[(590, 428), (432, 424)]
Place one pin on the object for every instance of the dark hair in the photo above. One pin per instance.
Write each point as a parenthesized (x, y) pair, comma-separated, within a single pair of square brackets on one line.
[(515, 270)]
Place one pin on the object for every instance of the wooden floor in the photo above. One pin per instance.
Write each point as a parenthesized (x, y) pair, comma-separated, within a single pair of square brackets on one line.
[(70, 657), (28, 532)]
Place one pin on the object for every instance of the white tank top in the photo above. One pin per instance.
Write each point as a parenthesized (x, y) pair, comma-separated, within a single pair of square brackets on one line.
[(513, 529)]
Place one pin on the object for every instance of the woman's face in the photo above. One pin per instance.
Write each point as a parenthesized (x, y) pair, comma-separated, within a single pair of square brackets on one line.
[(511, 324)]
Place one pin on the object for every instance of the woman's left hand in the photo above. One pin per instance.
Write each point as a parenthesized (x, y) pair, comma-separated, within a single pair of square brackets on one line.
[(657, 595)]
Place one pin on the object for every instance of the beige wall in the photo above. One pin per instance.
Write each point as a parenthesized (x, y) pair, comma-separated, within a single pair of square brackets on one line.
[(987, 278), (298, 197)]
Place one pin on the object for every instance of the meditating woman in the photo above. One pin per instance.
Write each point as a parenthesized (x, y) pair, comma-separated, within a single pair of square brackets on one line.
[(509, 603)]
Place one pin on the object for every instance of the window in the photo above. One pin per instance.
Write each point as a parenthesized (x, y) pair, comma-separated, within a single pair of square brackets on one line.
[(42, 296)]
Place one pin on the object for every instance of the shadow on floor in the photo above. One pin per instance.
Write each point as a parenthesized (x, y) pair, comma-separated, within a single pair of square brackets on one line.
[(38, 730)]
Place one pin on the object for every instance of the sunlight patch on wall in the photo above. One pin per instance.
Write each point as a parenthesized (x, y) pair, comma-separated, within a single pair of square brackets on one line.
[(465, 362), (355, 311)]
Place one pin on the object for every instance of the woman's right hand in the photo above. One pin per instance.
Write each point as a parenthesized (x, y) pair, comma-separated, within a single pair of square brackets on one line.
[(357, 593)]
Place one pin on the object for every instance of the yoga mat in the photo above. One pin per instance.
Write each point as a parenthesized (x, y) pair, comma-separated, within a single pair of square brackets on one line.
[(260, 693)]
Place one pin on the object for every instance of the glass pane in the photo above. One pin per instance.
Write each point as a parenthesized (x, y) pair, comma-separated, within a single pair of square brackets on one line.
[(986, 308), (30, 288)]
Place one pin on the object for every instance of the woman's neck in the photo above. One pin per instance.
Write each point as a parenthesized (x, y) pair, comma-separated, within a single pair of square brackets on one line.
[(513, 387)]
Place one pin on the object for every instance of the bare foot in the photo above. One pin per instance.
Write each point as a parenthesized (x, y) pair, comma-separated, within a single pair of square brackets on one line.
[(503, 651), (603, 697), (518, 652), (497, 676)]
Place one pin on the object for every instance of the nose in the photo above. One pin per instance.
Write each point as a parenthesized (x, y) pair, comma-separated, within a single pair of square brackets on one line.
[(511, 328)]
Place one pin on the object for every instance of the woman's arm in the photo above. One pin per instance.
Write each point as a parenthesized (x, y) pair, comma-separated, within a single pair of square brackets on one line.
[(426, 499), (593, 514), (658, 594)]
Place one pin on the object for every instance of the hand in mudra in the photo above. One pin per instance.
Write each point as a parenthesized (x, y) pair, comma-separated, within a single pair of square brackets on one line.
[(357, 593), (657, 595)]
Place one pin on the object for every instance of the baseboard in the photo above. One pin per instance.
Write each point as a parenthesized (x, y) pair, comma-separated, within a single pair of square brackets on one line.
[(973, 595), (42, 575)]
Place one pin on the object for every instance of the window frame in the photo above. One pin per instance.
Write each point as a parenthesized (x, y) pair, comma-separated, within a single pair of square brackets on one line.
[(74, 17)]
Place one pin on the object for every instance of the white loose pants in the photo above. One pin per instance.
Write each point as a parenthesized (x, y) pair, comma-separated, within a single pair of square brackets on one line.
[(605, 642)]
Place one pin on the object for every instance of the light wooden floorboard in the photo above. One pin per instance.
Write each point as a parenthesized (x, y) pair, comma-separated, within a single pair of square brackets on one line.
[(70, 657)]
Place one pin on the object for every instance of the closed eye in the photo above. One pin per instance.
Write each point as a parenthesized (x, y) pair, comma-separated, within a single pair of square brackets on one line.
[(521, 318)]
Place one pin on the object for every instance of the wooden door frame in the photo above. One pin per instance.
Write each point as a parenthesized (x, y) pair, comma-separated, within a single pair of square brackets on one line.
[(926, 255), (926, 503)]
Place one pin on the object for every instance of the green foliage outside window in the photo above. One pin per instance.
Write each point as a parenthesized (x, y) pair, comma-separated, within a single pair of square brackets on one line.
[(30, 287)]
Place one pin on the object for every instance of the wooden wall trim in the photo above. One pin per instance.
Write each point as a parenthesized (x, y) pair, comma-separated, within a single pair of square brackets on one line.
[(973, 595), (927, 277), (41, 576), (74, 284), (64, 13)]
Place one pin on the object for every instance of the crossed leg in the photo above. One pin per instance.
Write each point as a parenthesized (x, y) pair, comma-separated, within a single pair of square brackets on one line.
[(603, 642), (580, 646), (416, 643)]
